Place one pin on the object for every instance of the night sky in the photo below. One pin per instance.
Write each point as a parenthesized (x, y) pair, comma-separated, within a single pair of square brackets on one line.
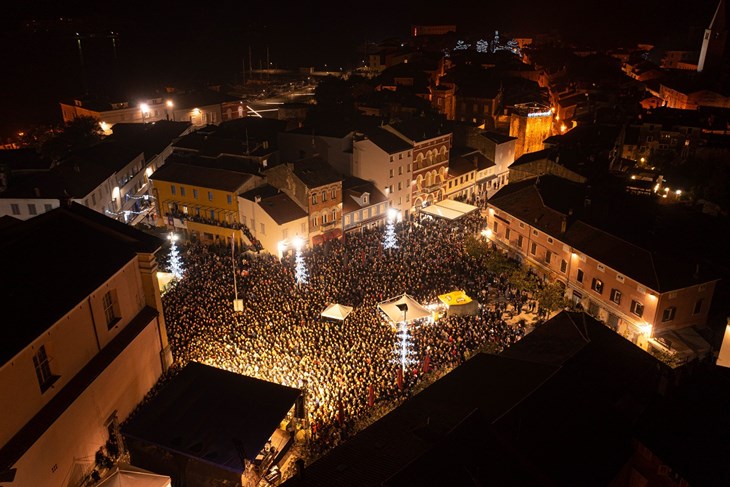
[(166, 41)]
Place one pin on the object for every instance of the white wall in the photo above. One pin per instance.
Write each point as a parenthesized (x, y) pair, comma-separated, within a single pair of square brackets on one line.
[(66, 450), (372, 163), (6, 206)]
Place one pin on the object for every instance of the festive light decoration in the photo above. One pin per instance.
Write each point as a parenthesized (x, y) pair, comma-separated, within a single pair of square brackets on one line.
[(461, 46), (175, 263), (405, 353), (389, 241), (300, 269), (482, 45)]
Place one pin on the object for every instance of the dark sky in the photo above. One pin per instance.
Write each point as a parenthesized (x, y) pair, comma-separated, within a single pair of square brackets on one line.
[(162, 41)]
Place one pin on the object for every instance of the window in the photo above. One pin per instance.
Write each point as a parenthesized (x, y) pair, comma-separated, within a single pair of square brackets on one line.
[(93, 197), (182, 190), (548, 256), (324, 196), (597, 285), (47, 207), (409, 167), (43, 369), (263, 228), (668, 313), (229, 198), (579, 277), (563, 266), (637, 308), (390, 173), (522, 225), (495, 226), (533, 248), (698, 307), (334, 194), (619, 278), (616, 296), (400, 185), (400, 170), (347, 219), (195, 194), (324, 218), (172, 190), (210, 196), (534, 232), (391, 158), (109, 304), (400, 156), (550, 240), (506, 233), (601, 268), (314, 221), (519, 241), (408, 197), (15, 208), (31, 209), (314, 198), (212, 214)]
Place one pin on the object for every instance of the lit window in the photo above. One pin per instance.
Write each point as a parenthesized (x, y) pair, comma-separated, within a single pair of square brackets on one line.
[(637, 308), (616, 296), (597, 285), (668, 313)]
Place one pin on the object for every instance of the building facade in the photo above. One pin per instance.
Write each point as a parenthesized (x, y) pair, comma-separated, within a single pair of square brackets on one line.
[(76, 367), (531, 124)]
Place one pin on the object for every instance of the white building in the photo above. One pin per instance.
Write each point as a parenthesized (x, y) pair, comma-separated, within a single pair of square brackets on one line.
[(83, 340), (277, 218), (387, 160)]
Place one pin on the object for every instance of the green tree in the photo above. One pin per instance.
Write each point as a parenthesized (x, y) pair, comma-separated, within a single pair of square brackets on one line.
[(551, 297), (476, 247), (522, 279), (499, 263)]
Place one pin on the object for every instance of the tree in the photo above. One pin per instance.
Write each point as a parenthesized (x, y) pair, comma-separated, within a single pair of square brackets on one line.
[(499, 263), (476, 247), (80, 133), (523, 279), (551, 297)]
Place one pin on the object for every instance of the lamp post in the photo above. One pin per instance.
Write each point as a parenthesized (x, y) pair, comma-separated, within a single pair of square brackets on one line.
[(171, 114), (145, 109)]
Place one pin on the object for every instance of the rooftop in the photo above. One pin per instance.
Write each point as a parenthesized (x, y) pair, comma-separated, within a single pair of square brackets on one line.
[(56, 256), (387, 141), (212, 414), (314, 172), (202, 177), (277, 204)]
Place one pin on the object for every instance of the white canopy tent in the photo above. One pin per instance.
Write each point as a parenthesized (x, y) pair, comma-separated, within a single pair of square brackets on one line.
[(449, 209), (337, 312), (129, 476), (414, 311)]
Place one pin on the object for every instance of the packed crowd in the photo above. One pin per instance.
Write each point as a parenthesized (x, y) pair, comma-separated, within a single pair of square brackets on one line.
[(348, 369)]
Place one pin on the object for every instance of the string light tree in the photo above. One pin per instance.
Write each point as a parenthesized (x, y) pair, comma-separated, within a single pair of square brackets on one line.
[(174, 262), (404, 343), (300, 269), (389, 240)]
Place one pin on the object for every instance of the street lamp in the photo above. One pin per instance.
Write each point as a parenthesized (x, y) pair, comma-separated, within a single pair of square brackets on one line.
[(171, 114)]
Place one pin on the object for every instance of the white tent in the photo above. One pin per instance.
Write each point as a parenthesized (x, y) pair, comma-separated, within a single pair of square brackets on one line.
[(449, 209), (337, 311), (129, 476), (414, 311)]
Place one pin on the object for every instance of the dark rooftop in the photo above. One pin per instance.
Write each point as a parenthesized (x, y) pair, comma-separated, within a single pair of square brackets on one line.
[(314, 172), (204, 177), (421, 129), (204, 412), (56, 257), (353, 186), (497, 138), (277, 204), (388, 141)]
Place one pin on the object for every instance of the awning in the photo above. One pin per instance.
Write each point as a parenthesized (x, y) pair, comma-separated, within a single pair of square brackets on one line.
[(413, 309), (449, 209), (454, 298), (129, 476), (336, 312)]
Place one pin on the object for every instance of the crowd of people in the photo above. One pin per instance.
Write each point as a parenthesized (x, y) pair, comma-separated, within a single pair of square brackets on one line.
[(348, 369)]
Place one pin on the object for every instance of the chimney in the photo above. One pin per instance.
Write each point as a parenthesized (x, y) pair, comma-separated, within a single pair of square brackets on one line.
[(564, 224), (37, 192), (696, 275)]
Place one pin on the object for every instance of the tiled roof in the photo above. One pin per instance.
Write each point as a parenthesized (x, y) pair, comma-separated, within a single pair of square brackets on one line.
[(202, 177)]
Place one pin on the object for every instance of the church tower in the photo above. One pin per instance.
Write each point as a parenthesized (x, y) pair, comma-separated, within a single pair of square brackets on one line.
[(714, 41)]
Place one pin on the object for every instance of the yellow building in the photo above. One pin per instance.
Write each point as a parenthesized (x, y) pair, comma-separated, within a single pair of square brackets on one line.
[(202, 202), (531, 124)]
